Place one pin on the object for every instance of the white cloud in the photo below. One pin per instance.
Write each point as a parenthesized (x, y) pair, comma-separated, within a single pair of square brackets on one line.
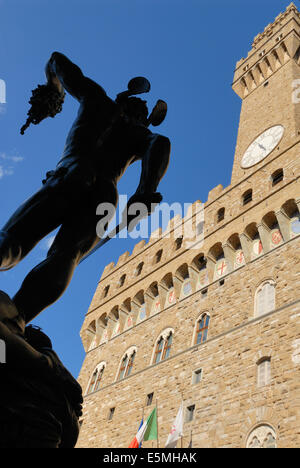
[(8, 164)]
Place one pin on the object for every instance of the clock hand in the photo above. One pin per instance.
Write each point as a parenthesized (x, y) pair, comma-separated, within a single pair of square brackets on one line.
[(261, 146)]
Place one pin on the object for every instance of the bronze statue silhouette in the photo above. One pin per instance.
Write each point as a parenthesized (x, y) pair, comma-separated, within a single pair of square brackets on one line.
[(40, 401), (106, 137)]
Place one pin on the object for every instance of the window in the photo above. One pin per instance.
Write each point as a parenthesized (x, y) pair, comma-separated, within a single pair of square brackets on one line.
[(277, 177), (163, 346), (178, 243), (202, 329), (190, 413), (204, 293), (149, 399), (167, 347), (247, 197), (262, 436), (197, 376), (221, 214), (122, 281), (265, 298), (139, 268), (92, 382), (127, 364), (105, 292), (95, 381), (130, 364), (98, 379), (159, 349), (264, 372), (158, 256), (111, 413)]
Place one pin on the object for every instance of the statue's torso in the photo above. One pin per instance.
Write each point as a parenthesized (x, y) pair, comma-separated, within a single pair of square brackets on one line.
[(102, 140)]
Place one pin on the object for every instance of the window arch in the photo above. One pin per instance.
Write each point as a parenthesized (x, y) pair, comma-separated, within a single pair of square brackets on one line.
[(126, 364), (273, 232), (96, 378), (256, 247), (262, 436), (264, 298), (163, 346), (200, 264), (291, 210), (201, 330)]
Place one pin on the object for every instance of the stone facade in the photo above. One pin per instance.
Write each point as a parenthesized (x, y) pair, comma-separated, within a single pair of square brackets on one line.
[(242, 280)]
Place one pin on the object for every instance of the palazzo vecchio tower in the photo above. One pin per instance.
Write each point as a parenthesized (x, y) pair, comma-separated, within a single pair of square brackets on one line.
[(216, 326)]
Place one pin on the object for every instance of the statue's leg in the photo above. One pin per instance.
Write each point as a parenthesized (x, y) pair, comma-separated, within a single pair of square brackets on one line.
[(48, 280), (33, 220)]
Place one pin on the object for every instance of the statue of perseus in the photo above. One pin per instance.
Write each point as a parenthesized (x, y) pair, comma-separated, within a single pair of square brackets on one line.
[(106, 137)]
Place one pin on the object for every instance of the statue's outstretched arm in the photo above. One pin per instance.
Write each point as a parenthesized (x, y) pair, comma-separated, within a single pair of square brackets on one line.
[(64, 74)]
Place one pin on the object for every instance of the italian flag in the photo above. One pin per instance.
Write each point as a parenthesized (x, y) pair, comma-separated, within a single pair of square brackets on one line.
[(148, 431)]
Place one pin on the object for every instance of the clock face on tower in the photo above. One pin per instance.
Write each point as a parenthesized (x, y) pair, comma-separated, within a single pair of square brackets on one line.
[(262, 146)]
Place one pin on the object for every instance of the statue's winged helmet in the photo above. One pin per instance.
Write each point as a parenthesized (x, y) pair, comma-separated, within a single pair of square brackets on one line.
[(139, 85)]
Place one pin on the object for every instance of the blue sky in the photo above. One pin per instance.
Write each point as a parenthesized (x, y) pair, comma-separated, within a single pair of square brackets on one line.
[(186, 48)]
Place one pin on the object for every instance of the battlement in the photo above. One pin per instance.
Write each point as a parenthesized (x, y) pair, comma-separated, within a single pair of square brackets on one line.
[(273, 48), (290, 12)]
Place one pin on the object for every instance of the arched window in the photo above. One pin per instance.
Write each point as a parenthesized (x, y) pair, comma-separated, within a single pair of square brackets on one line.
[(163, 346), (202, 329), (139, 268), (265, 298), (127, 364), (122, 281), (262, 436), (263, 372), (96, 378), (158, 256)]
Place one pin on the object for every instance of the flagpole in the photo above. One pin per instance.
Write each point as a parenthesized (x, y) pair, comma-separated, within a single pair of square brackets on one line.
[(157, 424), (182, 408)]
